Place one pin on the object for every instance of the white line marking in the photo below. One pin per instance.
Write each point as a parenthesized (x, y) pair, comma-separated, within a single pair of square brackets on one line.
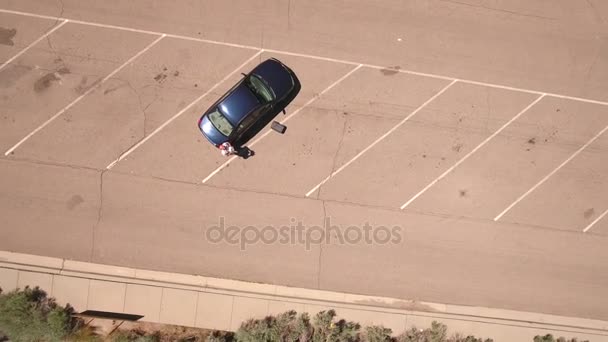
[(129, 151), (27, 14), (492, 85), (403, 71), (32, 44), (202, 40), (465, 157), (314, 98), (83, 95), (551, 173), (595, 221), (122, 28), (579, 99), (304, 55), (382, 137), (498, 86)]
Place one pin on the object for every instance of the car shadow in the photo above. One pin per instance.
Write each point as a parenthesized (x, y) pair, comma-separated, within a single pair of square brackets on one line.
[(244, 152), (264, 121)]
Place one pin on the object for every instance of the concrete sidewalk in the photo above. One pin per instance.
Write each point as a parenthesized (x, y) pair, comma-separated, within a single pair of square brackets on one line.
[(213, 303)]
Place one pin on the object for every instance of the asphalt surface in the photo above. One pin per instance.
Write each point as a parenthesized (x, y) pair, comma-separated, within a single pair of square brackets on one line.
[(476, 130)]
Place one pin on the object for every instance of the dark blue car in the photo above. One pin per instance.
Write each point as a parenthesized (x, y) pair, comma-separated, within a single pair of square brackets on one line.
[(250, 104)]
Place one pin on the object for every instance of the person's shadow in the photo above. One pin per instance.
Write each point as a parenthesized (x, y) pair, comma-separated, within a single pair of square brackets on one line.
[(244, 152)]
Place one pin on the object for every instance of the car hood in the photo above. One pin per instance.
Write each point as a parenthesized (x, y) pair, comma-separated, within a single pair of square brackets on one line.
[(276, 75)]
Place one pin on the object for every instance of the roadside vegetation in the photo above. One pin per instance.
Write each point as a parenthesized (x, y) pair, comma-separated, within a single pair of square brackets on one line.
[(29, 315)]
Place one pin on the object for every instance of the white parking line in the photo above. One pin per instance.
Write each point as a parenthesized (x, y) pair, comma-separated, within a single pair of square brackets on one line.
[(551, 173), (83, 95), (595, 221), (492, 85), (32, 44), (381, 138), (129, 151), (285, 120), (465, 157)]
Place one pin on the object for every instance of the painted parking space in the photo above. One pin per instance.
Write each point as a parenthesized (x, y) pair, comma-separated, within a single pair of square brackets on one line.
[(17, 33), (327, 134), (600, 225), (429, 143), (181, 152), (515, 160), (57, 71), (578, 192), (433, 256), (133, 103)]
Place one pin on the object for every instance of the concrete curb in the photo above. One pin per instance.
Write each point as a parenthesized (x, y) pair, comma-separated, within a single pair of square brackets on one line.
[(78, 269)]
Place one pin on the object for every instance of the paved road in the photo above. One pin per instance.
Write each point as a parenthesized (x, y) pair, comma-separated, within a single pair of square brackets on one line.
[(471, 132)]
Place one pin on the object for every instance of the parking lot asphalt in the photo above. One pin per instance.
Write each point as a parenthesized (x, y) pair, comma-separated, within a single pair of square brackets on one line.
[(477, 132)]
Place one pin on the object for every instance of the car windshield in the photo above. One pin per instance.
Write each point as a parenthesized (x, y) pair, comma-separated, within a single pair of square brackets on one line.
[(260, 88), (221, 123)]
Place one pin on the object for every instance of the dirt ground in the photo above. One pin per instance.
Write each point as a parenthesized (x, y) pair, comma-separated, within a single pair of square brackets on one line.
[(109, 330)]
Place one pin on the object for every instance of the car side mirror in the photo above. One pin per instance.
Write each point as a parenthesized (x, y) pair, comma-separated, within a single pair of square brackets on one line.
[(245, 75)]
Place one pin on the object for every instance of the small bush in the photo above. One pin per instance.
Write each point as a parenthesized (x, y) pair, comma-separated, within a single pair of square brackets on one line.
[(436, 333), (289, 326), (550, 338), (378, 334), (29, 315), (220, 336), (326, 329), (134, 336), (284, 327)]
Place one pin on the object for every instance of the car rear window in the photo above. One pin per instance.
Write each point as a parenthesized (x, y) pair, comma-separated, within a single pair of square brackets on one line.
[(221, 123)]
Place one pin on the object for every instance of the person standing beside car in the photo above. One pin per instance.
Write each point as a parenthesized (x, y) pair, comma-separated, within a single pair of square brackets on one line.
[(227, 149)]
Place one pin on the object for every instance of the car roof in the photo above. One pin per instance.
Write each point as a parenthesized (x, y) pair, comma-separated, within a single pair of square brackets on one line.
[(238, 104), (239, 101)]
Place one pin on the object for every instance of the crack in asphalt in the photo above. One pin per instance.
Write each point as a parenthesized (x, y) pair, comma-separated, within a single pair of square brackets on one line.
[(333, 165), (593, 63), (360, 205), (140, 104), (48, 163), (321, 249), (48, 38), (598, 16), (61, 11), (489, 111), (99, 214), (499, 10), (53, 50)]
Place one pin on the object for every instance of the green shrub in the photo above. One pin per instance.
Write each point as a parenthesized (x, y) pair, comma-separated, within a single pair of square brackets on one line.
[(289, 326), (29, 315), (220, 336), (134, 336), (326, 329), (284, 327), (550, 338), (378, 334), (438, 332)]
